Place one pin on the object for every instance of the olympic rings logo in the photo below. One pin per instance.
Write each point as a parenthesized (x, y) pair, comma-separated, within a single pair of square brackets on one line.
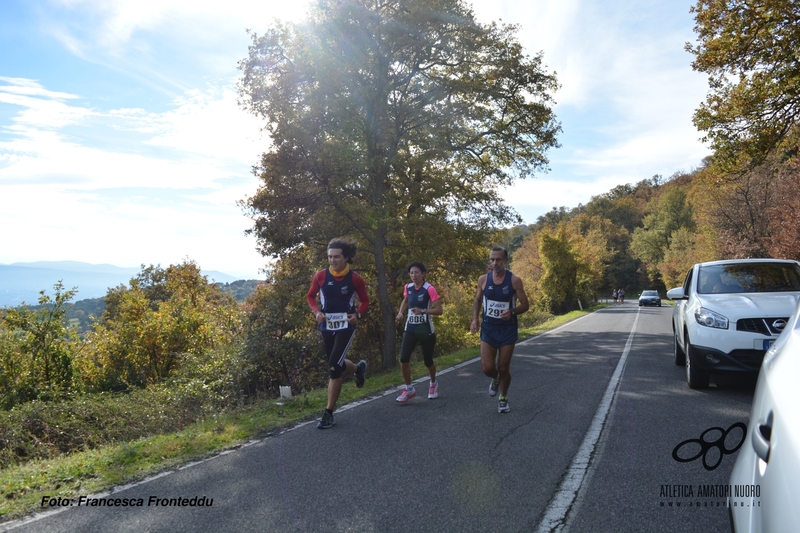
[(706, 446)]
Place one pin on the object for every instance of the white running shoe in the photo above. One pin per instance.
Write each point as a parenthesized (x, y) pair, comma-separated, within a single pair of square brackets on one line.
[(493, 386), (406, 395), (502, 406), (433, 390)]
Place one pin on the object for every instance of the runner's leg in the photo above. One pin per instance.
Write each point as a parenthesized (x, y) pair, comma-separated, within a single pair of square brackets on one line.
[(340, 344), (406, 349), (504, 367), (428, 347), (488, 364)]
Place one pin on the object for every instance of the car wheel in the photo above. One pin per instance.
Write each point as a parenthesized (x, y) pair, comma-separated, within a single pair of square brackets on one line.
[(696, 377), (677, 352)]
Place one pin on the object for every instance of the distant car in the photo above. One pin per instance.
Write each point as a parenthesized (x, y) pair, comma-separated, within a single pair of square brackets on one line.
[(764, 488), (728, 314), (649, 298)]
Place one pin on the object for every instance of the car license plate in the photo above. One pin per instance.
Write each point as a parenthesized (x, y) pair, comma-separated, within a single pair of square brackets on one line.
[(768, 344)]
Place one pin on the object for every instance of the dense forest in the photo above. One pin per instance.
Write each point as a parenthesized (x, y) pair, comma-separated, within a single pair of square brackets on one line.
[(648, 234)]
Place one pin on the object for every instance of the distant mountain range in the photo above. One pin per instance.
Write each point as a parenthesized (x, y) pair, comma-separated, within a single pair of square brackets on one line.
[(22, 282)]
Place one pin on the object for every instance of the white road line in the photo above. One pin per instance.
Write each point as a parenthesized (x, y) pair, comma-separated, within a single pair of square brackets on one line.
[(7, 526), (555, 515)]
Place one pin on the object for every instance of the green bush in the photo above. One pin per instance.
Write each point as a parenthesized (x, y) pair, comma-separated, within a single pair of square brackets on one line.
[(37, 348), (452, 327), (281, 345), (151, 330), (41, 430)]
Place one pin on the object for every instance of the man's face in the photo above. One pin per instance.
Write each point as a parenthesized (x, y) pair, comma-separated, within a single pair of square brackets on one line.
[(336, 259), (497, 261)]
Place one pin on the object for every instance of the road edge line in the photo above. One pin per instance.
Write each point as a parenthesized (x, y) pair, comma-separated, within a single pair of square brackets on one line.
[(555, 516)]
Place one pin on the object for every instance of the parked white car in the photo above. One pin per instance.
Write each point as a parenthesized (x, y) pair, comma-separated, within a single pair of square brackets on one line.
[(729, 313), (764, 487)]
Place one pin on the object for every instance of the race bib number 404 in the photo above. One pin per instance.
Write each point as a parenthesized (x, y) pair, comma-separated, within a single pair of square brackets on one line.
[(494, 308), (335, 321)]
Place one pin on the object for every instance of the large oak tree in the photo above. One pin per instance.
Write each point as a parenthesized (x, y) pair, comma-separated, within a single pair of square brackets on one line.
[(395, 121), (749, 49)]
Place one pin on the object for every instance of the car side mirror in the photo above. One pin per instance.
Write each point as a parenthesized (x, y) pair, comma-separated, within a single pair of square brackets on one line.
[(676, 294)]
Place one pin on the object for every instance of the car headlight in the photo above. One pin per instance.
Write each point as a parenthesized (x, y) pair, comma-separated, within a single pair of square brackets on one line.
[(706, 317)]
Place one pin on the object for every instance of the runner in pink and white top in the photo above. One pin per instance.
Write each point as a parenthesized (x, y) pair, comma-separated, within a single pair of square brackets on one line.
[(421, 301)]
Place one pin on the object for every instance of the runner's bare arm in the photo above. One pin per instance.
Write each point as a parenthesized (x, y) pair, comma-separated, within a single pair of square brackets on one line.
[(311, 297), (403, 306), (436, 309), (476, 305), (363, 299)]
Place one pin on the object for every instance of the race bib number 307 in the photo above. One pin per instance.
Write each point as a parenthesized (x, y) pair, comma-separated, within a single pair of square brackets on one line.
[(494, 308), (335, 321)]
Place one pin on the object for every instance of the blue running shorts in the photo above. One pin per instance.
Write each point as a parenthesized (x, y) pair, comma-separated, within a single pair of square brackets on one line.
[(497, 336)]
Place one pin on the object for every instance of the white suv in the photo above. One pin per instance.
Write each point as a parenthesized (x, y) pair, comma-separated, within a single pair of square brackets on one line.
[(728, 314)]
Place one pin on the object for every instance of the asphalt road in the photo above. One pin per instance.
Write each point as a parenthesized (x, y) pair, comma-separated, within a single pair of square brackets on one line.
[(597, 408)]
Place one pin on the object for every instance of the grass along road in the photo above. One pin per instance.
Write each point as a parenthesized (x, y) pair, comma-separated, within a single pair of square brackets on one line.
[(96, 471)]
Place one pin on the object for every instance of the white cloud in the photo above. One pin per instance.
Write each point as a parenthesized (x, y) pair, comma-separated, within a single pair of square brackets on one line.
[(167, 45), (157, 186), (627, 98), (542, 194), (203, 122), (166, 192), (119, 22), (128, 232), (209, 139), (28, 87), (41, 108)]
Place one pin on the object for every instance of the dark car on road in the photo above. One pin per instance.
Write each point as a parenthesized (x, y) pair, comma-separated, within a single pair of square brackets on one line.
[(649, 298)]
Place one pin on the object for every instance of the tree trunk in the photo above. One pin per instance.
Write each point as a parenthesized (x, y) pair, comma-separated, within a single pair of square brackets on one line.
[(387, 310)]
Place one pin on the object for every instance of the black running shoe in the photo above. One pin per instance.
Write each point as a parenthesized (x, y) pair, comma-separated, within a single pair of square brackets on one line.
[(361, 373), (327, 420)]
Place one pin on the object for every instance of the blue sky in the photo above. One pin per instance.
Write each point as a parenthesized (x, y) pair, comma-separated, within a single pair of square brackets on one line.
[(121, 140)]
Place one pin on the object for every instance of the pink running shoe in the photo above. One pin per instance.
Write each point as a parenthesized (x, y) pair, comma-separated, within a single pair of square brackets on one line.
[(433, 390), (406, 395)]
